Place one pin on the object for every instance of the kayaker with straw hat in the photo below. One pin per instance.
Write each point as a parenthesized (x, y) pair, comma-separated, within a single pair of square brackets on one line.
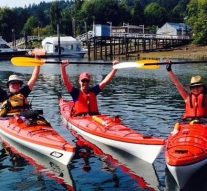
[(16, 98), (195, 99), (85, 101)]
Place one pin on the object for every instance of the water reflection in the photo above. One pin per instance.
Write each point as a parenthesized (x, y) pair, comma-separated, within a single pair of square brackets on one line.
[(20, 157), (113, 159), (145, 100)]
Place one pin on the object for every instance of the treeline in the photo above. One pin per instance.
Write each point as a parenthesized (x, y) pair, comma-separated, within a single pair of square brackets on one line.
[(75, 17)]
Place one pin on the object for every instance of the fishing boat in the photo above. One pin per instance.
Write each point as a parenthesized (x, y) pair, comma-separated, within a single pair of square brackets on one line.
[(37, 134), (186, 151), (111, 131), (42, 163)]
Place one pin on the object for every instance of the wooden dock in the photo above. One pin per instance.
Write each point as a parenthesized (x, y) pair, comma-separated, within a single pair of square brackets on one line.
[(109, 47)]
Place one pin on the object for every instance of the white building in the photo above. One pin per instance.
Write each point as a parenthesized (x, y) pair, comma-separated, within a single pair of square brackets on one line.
[(174, 30)]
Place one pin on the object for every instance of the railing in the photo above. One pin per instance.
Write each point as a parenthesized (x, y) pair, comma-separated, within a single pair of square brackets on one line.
[(83, 37), (21, 41)]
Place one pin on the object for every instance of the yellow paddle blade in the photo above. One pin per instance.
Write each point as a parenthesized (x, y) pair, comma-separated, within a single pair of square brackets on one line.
[(148, 64), (25, 62), (141, 64)]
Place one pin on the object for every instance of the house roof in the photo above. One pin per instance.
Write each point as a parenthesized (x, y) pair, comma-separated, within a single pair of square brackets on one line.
[(179, 25)]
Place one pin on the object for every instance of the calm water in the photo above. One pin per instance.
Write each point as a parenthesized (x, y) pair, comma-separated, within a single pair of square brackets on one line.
[(145, 100)]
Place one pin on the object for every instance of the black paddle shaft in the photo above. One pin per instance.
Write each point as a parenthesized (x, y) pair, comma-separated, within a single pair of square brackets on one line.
[(179, 62), (81, 62)]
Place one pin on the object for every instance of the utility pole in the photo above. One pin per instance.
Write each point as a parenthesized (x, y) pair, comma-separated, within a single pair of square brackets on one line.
[(58, 35)]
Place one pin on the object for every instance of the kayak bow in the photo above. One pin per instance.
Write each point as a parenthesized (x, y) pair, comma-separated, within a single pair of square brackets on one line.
[(186, 151), (39, 137)]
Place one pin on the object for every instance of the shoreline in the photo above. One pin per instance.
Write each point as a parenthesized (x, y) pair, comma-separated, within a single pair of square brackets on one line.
[(188, 52)]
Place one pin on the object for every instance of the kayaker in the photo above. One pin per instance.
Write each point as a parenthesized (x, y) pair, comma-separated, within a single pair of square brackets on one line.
[(85, 101), (16, 98), (195, 99)]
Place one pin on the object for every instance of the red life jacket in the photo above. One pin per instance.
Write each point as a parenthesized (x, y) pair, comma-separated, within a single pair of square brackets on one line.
[(196, 106), (86, 104)]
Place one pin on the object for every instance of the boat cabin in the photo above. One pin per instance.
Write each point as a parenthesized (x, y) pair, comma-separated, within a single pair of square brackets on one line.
[(68, 45)]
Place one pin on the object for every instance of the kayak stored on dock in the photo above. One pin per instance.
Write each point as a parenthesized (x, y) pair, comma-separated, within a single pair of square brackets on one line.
[(37, 134), (186, 150), (111, 131)]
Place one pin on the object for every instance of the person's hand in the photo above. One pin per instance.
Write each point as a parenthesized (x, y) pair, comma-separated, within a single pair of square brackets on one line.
[(169, 66), (115, 62), (65, 63)]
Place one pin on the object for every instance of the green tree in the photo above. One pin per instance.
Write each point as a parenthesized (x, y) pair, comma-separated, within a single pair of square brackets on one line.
[(197, 19), (55, 15), (8, 21), (138, 13), (155, 14), (30, 25), (67, 22)]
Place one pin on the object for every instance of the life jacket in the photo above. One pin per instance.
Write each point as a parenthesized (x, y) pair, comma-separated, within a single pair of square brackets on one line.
[(196, 106), (14, 104), (86, 104)]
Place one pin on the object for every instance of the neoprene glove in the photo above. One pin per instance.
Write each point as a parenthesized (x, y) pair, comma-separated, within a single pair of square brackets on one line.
[(168, 67)]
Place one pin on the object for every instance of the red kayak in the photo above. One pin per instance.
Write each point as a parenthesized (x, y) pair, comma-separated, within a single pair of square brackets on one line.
[(112, 132), (186, 150), (37, 134)]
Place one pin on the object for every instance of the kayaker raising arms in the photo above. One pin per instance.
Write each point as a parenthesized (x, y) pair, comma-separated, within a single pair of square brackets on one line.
[(16, 98), (195, 99), (85, 101)]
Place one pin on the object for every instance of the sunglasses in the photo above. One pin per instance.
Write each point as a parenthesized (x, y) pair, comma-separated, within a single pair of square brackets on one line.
[(85, 81), (15, 82)]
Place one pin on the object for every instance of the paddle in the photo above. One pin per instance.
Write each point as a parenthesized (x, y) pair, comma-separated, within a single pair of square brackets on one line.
[(141, 64), (31, 62), (151, 64)]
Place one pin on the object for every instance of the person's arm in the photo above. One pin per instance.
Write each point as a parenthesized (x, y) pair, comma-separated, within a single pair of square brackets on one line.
[(34, 77), (109, 77), (65, 77), (183, 92)]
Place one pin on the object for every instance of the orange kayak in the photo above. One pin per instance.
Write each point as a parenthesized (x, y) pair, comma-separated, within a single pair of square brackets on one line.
[(38, 135), (112, 132), (186, 151)]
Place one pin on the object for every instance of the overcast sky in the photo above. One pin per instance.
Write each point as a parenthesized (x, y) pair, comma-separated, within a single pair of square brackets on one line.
[(20, 3)]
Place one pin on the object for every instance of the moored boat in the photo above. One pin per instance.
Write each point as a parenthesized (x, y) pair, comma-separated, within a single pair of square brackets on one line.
[(186, 150), (37, 134), (7, 52), (69, 47), (112, 132)]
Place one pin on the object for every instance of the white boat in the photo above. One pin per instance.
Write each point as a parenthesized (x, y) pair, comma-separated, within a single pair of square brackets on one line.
[(6, 52), (69, 46)]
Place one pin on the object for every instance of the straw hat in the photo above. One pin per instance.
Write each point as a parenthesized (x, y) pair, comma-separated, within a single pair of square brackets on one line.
[(196, 81), (14, 78)]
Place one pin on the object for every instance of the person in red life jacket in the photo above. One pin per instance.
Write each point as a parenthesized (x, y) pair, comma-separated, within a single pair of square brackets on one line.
[(85, 101), (17, 94), (195, 99)]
